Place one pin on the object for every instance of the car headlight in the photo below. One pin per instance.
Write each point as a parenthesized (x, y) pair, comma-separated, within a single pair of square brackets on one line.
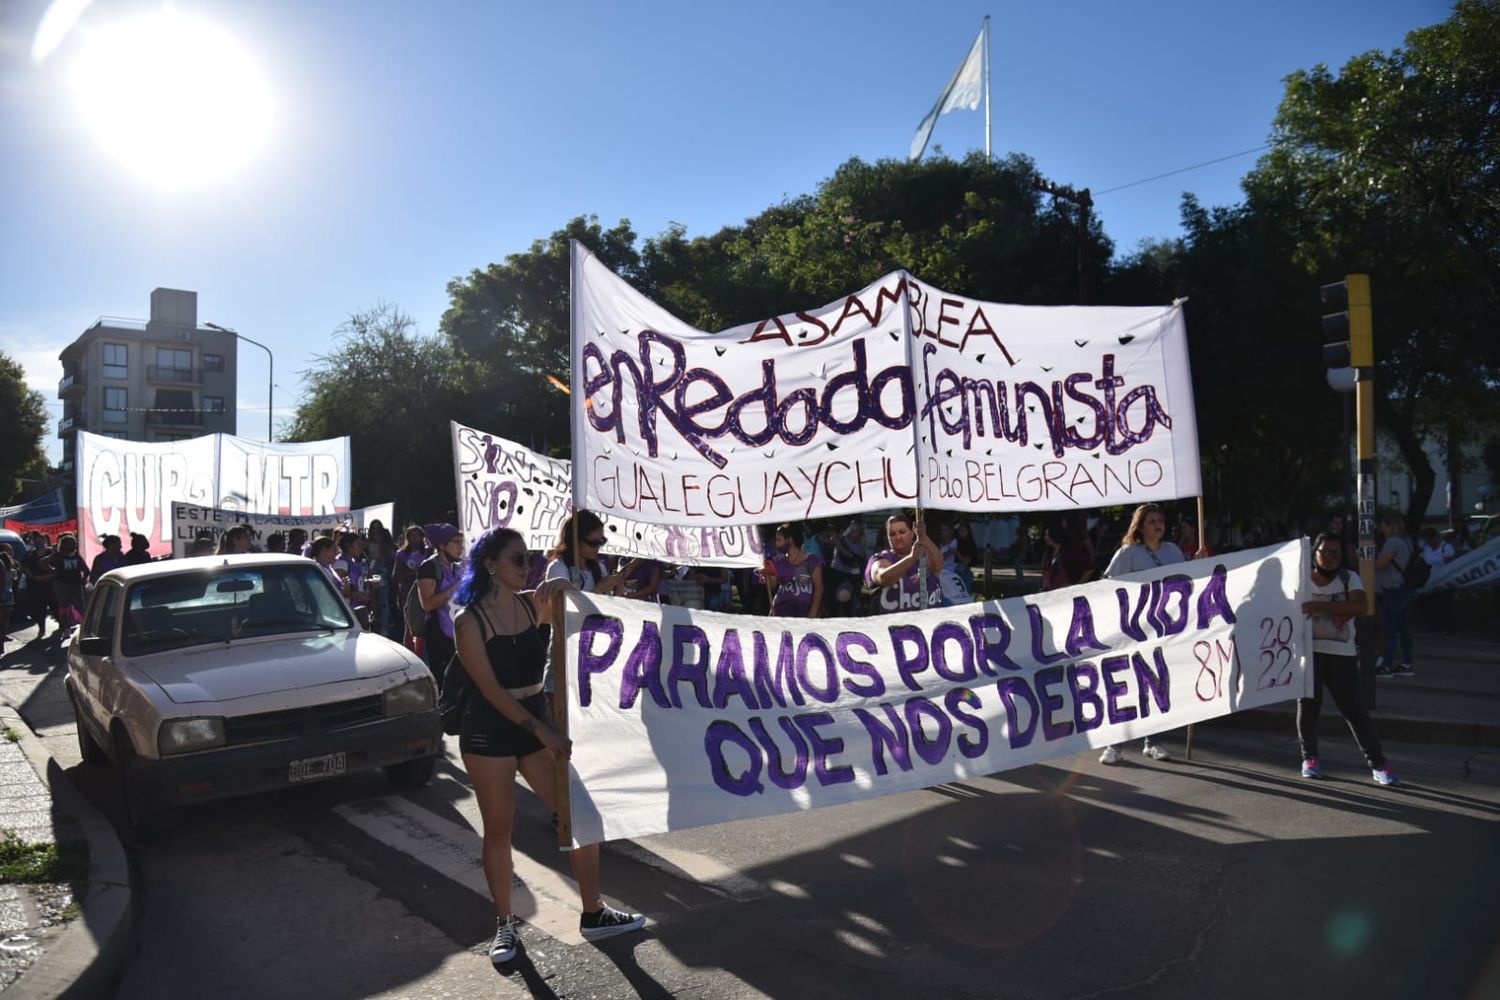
[(413, 696), (186, 735)]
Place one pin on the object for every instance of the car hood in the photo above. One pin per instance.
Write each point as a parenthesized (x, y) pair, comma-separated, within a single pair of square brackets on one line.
[(277, 663)]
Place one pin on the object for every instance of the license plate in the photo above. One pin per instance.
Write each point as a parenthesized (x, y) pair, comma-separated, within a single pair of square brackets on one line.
[(313, 768)]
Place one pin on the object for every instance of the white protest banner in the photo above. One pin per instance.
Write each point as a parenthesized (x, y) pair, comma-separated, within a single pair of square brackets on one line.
[(680, 718), (129, 486), (898, 394), (1479, 568), (190, 521), (502, 484)]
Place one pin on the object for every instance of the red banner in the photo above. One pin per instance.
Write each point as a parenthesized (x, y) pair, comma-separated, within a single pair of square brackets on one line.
[(53, 531)]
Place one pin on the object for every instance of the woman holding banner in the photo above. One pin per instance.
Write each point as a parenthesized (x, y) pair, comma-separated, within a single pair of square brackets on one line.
[(1143, 547), (504, 733), (1338, 598), (894, 574)]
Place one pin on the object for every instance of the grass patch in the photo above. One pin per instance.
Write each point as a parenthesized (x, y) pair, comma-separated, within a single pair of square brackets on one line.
[(34, 863), (11, 735)]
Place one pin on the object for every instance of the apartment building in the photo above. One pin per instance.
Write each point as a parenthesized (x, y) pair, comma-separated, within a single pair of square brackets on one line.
[(161, 379)]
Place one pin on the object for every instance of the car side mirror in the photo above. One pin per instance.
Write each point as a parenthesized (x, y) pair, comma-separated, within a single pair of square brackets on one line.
[(94, 645)]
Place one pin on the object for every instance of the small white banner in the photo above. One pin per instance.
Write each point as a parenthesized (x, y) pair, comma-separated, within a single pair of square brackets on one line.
[(504, 485), (1478, 568), (190, 520), (681, 718)]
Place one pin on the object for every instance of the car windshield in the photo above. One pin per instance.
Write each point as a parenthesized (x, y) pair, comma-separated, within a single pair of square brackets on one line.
[(225, 603)]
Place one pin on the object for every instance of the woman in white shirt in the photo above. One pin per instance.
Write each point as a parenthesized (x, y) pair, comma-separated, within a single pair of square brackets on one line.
[(1337, 598), (1143, 547)]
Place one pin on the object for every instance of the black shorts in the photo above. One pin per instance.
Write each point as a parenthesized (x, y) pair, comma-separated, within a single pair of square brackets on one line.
[(487, 733)]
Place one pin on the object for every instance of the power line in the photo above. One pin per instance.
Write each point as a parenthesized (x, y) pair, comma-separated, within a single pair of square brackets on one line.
[(1183, 170)]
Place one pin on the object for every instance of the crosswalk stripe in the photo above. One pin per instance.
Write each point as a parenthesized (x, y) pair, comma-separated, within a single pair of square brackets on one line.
[(540, 896)]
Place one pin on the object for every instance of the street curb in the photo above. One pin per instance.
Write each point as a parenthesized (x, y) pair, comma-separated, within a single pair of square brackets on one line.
[(1391, 729), (82, 961)]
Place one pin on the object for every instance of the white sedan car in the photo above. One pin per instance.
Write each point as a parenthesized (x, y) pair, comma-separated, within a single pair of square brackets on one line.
[(225, 675)]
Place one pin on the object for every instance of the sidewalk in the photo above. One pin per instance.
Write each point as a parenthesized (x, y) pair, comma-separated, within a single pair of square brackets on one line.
[(63, 939)]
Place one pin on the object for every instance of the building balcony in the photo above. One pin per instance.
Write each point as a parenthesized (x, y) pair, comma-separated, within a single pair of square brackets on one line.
[(174, 376), (174, 418), (71, 385), (66, 426)]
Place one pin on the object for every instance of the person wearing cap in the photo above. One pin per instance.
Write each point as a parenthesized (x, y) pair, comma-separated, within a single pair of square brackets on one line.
[(438, 579)]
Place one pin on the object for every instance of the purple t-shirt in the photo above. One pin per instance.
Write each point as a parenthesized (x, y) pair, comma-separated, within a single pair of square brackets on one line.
[(794, 586), (905, 594)]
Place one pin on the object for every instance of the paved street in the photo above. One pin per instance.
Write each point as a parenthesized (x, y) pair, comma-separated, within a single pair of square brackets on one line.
[(1227, 876)]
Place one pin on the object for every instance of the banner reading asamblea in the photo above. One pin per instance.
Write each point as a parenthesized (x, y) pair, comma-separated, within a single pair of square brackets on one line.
[(129, 486), (898, 394), (681, 718), (502, 484)]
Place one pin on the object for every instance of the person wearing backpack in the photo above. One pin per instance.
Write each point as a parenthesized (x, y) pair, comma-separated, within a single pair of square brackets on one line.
[(437, 581), (1394, 586), (1337, 599), (505, 733)]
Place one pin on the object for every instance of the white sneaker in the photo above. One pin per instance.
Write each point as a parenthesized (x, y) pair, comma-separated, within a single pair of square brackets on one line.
[(1109, 756), (503, 948), (1155, 752)]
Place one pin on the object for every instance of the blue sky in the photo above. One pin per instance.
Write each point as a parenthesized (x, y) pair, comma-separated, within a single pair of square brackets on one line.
[(412, 142)]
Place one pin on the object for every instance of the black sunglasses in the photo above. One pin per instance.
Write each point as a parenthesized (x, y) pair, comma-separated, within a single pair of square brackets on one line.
[(514, 558), (596, 543)]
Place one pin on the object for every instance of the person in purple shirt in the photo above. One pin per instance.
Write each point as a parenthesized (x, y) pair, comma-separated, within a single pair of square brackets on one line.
[(893, 574), (796, 576)]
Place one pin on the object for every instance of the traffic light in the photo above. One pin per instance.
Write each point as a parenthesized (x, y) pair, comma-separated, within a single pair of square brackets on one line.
[(1351, 297)]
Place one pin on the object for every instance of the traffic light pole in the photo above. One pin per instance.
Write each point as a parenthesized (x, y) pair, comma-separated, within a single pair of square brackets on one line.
[(1356, 322)]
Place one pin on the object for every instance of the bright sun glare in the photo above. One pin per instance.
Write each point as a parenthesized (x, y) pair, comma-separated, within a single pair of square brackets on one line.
[(176, 100)]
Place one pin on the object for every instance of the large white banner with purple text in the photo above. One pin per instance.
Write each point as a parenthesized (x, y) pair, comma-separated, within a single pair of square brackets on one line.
[(503, 484), (898, 394), (681, 718), (130, 486)]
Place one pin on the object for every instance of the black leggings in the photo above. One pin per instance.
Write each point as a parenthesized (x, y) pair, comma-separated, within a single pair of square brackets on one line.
[(440, 650), (1341, 675)]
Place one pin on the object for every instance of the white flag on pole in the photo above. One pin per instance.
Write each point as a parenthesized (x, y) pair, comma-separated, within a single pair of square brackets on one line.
[(962, 93)]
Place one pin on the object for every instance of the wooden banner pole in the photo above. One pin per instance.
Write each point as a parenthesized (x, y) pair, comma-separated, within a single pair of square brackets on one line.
[(1202, 546), (562, 782)]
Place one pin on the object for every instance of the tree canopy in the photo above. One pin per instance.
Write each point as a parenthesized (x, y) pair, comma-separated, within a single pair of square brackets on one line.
[(23, 423)]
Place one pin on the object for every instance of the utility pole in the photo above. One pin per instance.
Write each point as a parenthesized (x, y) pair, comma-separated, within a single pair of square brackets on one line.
[(1085, 203)]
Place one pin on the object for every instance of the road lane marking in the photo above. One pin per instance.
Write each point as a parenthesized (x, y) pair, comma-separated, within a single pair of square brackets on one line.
[(543, 898)]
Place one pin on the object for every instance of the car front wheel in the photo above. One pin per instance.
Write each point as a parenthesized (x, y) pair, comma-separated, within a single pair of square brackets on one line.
[(411, 773), (147, 816)]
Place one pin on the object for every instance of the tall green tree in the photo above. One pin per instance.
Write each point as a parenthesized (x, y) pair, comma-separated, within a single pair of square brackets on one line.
[(392, 392), (508, 326), (23, 423), (1392, 167)]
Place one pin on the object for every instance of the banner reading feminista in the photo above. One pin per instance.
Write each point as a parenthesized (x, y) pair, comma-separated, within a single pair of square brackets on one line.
[(681, 718), (898, 394), (504, 485)]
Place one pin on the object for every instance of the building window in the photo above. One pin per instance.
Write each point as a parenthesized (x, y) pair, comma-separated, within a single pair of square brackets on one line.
[(213, 362), (168, 357), (115, 434), (213, 404), (116, 361), (114, 406)]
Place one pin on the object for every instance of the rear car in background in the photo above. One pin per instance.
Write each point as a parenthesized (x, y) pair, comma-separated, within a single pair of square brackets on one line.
[(227, 675)]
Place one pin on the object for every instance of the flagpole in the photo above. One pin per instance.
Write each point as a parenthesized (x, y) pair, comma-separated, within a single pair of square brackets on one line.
[(988, 155)]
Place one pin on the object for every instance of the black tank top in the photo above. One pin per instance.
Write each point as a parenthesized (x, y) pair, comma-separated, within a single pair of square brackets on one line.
[(517, 660)]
